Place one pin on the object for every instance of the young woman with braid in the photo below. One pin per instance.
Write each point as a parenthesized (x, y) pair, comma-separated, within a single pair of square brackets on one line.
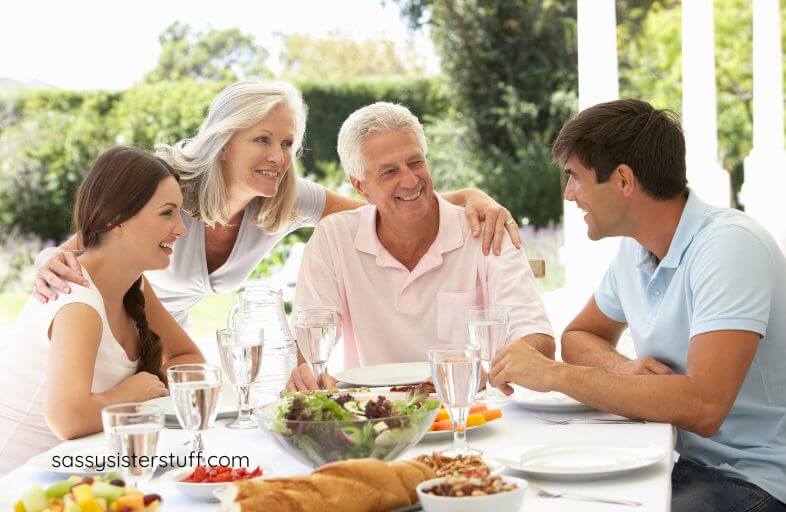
[(95, 347)]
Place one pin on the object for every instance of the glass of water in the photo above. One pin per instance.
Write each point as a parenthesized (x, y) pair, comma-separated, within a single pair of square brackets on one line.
[(456, 373), (315, 330), (132, 430), (241, 358), (195, 390), (488, 330)]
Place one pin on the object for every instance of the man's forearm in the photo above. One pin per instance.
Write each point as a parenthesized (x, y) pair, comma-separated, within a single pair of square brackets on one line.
[(587, 349), (543, 343), (672, 399)]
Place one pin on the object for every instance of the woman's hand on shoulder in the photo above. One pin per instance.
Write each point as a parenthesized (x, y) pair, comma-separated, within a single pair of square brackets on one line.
[(498, 221), (142, 386), (59, 267)]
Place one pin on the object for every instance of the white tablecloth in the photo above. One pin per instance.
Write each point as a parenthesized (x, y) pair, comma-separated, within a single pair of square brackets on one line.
[(518, 427)]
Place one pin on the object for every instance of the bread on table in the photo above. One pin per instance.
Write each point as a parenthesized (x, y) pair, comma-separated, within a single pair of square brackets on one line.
[(358, 485)]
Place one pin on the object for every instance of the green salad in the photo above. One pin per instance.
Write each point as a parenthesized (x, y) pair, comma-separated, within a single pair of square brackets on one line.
[(325, 426)]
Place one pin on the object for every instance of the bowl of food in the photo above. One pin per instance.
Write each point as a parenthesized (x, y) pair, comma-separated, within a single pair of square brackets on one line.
[(460, 493), (100, 494), (201, 482), (326, 426)]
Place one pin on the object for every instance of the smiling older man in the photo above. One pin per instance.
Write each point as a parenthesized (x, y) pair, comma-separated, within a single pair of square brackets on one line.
[(402, 270)]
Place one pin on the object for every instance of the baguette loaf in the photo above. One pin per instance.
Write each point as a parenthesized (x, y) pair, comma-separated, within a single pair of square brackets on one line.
[(359, 485)]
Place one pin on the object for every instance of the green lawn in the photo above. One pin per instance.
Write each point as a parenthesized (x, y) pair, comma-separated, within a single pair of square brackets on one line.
[(11, 305), (210, 314), (207, 316)]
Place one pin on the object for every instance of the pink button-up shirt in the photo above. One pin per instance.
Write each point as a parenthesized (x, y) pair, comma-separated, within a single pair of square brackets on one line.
[(392, 315)]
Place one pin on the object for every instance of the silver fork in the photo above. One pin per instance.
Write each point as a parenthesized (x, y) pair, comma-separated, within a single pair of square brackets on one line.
[(570, 421), (570, 496)]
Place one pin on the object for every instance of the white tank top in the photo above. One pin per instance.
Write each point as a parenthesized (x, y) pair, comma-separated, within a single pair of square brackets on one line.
[(181, 285), (23, 430)]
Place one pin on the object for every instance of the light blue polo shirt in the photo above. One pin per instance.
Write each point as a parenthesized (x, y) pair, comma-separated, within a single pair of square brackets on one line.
[(722, 271)]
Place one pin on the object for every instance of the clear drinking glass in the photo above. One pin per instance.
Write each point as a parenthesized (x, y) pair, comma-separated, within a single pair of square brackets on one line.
[(488, 330), (315, 331), (132, 430), (456, 373), (195, 390), (241, 360)]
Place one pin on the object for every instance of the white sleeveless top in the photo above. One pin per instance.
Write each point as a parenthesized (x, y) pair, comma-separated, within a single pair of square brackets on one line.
[(181, 285), (23, 430)]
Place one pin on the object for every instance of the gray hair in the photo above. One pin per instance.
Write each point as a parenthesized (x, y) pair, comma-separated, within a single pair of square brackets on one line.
[(364, 122), (197, 160)]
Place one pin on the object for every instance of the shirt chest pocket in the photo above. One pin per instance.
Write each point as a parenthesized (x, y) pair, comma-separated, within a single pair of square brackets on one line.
[(451, 321)]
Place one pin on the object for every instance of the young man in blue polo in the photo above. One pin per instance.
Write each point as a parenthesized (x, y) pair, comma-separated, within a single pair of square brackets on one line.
[(703, 291)]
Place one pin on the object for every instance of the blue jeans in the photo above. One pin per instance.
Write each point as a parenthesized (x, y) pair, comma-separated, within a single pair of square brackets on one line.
[(695, 487)]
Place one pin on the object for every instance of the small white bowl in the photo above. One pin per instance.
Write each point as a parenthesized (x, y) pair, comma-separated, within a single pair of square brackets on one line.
[(200, 491), (509, 501)]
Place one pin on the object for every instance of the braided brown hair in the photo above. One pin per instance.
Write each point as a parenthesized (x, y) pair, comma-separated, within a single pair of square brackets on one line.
[(120, 183)]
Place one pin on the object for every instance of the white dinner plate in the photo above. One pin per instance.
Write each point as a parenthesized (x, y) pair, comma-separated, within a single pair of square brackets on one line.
[(71, 458), (397, 374), (580, 460), (553, 401)]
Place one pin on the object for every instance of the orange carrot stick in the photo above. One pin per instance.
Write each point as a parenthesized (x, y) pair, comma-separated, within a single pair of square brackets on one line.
[(492, 414), (477, 408), (441, 425), (476, 420)]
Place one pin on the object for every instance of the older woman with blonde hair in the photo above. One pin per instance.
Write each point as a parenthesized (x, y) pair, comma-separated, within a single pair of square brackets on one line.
[(241, 196)]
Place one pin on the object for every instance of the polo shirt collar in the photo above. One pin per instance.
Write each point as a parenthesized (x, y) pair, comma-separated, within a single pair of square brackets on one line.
[(690, 222), (450, 235)]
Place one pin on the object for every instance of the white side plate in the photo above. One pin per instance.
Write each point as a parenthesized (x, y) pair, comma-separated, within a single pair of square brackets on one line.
[(552, 401), (580, 460), (227, 408), (70, 453), (397, 374)]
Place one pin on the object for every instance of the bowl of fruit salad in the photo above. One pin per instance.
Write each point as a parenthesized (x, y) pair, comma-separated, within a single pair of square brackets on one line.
[(87, 494), (202, 482), (326, 426)]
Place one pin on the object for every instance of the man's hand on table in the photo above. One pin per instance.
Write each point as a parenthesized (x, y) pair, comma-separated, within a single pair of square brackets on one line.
[(519, 363), (303, 379)]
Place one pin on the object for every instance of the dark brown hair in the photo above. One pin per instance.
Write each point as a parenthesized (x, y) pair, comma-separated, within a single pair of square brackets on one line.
[(120, 183), (630, 132)]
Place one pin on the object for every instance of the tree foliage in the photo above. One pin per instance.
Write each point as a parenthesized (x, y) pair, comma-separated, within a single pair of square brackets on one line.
[(651, 68), (512, 67), (337, 57), (212, 54)]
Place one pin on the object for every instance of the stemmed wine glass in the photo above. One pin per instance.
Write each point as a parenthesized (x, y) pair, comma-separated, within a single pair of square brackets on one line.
[(132, 429), (315, 330), (195, 389), (488, 330), (456, 373), (241, 358)]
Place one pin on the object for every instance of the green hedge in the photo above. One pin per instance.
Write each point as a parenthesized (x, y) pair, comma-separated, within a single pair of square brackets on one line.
[(330, 104)]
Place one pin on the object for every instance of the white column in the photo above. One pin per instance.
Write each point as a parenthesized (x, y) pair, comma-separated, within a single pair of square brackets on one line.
[(699, 105), (765, 166), (586, 261)]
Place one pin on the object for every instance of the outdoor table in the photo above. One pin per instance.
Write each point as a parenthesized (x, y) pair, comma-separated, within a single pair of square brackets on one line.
[(518, 427)]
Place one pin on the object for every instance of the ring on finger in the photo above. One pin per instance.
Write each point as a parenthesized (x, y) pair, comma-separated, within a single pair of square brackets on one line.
[(511, 221)]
